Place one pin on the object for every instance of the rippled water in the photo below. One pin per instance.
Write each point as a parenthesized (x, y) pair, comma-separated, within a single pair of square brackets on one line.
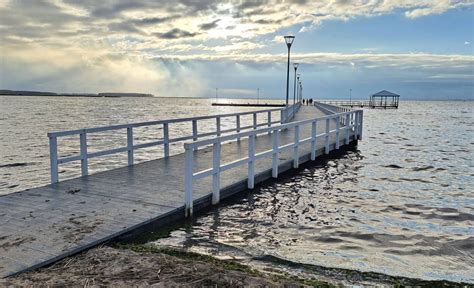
[(25, 122), (402, 203)]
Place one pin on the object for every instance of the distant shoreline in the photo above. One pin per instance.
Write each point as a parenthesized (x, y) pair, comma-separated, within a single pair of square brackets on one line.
[(54, 94)]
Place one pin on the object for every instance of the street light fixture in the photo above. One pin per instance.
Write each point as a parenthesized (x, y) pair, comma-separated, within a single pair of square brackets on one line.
[(295, 65), (288, 40)]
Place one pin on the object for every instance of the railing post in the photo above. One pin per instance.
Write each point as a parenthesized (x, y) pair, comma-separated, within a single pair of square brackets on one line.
[(269, 120), (216, 167), (361, 116), (338, 126), (195, 131), (275, 160), (53, 157), (188, 181), (326, 150), (130, 145), (83, 144), (282, 116), (251, 162), (348, 127), (237, 121), (254, 121), (166, 139), (313, 140), (296, 155), (218, 126)]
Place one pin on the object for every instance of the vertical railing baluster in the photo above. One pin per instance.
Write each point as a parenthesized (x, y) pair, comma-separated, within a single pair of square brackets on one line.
[(338, 126), (326, 150), (348, 127), (361, 115), (188, 180), (269, 120), (195, 131), (296, 155), (166, 139), (237, 121), (313, 140), (83, 147), (130, 145), (254, 121), (216, 167), (53, 157), (218, 126), (251, 162), (282, 116), (275, 160)]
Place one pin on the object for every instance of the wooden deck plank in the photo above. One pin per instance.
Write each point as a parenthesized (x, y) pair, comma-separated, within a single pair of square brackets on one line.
[(56, 220)]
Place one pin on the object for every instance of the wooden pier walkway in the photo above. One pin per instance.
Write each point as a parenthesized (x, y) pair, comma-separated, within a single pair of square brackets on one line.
[(42, 225)]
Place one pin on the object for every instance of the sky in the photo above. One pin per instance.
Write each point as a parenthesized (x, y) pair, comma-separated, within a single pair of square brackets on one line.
[(420, 49)]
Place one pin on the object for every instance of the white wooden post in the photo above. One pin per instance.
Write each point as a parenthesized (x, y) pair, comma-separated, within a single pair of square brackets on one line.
[(83, 141), (296, 155), (237, 121), (313, 140), (216, 167), (195, 131), (188, 181), (326, 150), (53, 157), (348, 127), (130, 145), (275, 160), (166, 139), (338, 126), (361, 116), (251, 162), (218, 126), (269, 120), (254, 121)]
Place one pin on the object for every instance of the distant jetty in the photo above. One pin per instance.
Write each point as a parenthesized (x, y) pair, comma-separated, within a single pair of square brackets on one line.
[(41, 93), (249, 104)]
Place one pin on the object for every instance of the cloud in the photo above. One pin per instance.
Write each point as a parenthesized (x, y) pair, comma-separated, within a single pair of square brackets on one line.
[(210, 25), (176, 33)]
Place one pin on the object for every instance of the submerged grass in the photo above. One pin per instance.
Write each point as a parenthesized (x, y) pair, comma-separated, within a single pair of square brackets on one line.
[(226, 264)]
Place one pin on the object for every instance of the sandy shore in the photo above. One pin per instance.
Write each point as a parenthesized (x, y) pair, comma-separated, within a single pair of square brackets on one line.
[(106, 266), (137, 265)]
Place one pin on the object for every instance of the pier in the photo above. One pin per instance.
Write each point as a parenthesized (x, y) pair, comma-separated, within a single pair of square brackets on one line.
[(42, 225)]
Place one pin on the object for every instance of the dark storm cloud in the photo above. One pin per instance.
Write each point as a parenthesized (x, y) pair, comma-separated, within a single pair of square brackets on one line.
[(175, 33), (210, 25)]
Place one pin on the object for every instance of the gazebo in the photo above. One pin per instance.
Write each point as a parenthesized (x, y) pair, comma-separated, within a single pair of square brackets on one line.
[(384, 99)]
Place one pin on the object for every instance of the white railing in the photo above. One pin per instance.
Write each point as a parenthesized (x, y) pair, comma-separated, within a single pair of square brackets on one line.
[(354, 128), (331, 109), (286, 114)]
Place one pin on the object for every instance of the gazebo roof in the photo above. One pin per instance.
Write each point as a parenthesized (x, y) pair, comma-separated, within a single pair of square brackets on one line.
[(384, 93)]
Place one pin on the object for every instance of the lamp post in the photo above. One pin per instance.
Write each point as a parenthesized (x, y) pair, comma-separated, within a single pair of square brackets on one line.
[(288, 40), (298, 92), (295, 65)]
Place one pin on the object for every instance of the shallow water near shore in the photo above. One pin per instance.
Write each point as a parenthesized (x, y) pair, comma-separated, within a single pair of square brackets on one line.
[(402, 203)]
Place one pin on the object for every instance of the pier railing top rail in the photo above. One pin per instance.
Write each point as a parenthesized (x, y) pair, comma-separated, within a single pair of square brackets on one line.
[(155, 122)]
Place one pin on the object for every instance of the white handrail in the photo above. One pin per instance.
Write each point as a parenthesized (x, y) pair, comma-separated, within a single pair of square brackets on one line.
[(354, 125), (286, 114)]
